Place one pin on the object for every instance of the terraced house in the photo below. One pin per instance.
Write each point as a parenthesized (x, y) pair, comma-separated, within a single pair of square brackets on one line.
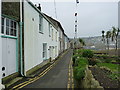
[(29, 38)]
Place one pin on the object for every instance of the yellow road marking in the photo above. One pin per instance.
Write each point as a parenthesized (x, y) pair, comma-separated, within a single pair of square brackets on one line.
[(68, 86), (34, 80), (72, 86), (39, 76), (31, 79)]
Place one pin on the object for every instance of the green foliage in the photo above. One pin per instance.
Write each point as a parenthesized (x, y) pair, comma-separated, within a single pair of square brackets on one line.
[(113, 67), (75, 56), (88, 53), (92, 61), (79, 70), (82, 62), (82, 41), (79, 73), (114, 76)]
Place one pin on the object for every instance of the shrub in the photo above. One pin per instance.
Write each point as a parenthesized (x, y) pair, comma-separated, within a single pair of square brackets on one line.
[(79, 73), (79, 70), (81, 62), (92, 61), (88, 53), (74, 58)]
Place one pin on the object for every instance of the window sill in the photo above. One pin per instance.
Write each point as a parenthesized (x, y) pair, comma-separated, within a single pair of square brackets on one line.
[(5, 36), (41, 32)]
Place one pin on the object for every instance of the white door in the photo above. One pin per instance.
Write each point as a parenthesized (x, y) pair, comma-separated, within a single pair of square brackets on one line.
[(8, 56), (44, 51)]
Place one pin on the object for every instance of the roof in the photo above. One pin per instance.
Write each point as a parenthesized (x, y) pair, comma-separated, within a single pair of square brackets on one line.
[(57, 23), (54, 22)]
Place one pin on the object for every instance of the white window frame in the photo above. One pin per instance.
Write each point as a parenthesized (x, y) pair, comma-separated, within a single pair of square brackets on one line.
[(52, 34), (15, 30), (56, 36), (40, 24)]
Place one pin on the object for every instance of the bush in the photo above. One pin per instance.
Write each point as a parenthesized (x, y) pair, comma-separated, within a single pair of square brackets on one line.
[(93, 61), (79, 70), (88, 53), (81, 62), (107, 60), (74, 58), (79, 73)]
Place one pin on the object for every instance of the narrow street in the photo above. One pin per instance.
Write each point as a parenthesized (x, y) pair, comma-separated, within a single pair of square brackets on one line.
[(56, 77)]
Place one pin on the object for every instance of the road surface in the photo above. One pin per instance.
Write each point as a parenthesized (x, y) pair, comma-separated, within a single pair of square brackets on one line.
[(57, 77)]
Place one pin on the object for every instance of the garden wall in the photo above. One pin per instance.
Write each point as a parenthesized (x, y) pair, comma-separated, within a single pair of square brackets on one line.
[(89, 81)]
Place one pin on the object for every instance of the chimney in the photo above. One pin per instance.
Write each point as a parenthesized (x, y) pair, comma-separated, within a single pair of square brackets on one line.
[(39, 7)]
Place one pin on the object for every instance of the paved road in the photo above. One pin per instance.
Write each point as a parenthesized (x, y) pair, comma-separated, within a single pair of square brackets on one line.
[(57, 77)]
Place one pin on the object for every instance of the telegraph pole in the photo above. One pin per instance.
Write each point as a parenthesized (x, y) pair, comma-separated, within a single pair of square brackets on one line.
[(76, 24)]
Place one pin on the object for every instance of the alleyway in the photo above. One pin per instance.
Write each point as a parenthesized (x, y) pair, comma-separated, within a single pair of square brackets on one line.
[(56, 77)]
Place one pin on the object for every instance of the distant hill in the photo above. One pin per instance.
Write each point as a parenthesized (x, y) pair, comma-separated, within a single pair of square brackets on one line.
[(97, 43)]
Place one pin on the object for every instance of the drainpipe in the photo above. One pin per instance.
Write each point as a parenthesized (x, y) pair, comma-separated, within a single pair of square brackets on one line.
[(21, 26), (1, 86)]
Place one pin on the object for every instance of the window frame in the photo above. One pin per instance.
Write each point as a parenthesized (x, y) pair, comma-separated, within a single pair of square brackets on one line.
[(10, 27), (40, 24), (44, 54)]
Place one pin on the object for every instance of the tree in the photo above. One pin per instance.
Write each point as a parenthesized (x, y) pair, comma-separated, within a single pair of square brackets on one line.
[(82, 42), (114, 35), (108, 36)]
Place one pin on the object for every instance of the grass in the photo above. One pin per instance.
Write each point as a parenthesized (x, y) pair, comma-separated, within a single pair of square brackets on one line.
[(113, 67)]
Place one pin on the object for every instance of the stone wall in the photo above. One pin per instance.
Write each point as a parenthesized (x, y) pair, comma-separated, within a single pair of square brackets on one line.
[(89, 81)]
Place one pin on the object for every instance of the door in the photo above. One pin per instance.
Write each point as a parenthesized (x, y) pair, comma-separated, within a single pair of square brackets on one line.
[(44, 51), (9, 37), (8, 56)]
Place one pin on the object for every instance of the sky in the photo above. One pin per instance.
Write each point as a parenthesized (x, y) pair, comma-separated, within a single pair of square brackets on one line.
[(93, 15)]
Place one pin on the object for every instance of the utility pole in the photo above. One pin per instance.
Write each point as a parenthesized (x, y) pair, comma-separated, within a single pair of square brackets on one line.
[(55, 9), (76, 25)]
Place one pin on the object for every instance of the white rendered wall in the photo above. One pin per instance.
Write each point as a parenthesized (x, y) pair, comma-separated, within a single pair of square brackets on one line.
[(1, 86), (33, 39)]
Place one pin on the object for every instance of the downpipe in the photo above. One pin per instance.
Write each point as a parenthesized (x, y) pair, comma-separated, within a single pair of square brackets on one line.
[(21, 26)]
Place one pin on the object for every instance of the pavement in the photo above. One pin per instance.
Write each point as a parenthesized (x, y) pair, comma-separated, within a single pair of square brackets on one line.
[(58, 75)]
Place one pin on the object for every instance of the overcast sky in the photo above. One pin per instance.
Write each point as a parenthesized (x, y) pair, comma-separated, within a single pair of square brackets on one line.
[(93, 17)]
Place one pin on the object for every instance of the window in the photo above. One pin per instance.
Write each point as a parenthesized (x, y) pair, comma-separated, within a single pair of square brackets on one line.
[(55, 50), (49, 30), (44, 50), (52, 34), (2, 26), (56, 36), (9, 27), (40, 24)]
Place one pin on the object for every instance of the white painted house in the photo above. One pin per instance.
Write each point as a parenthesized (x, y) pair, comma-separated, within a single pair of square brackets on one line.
[(1, 86), (28, 38), (40, 37)]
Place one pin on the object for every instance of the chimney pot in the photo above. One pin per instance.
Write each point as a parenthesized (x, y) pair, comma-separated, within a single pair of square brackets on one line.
[(39, 7)]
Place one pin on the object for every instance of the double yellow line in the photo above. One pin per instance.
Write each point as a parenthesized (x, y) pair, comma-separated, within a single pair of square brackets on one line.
[(34, 79), (21, 85), (70, 76)]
